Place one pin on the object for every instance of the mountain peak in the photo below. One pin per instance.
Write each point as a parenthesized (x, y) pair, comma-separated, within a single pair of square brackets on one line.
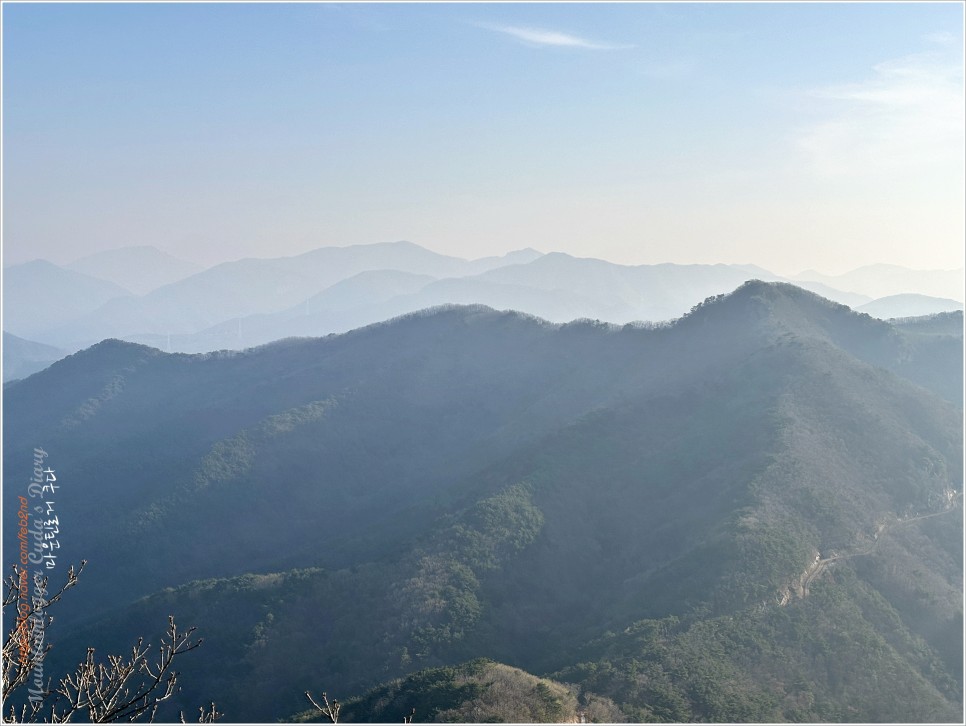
[(778, 292), (781, 307), (35, 264), (112, 351)]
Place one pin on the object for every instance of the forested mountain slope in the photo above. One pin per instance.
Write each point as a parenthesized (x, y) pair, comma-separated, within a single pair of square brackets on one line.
[(753, 513)]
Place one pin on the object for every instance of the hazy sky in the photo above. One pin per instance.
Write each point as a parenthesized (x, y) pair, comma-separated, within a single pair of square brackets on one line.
[(787, 135)]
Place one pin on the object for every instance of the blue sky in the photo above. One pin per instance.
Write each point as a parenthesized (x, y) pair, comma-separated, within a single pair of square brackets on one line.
[(786, 135)]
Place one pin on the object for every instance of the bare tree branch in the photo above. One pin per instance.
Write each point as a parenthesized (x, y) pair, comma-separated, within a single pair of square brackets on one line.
[(331, 710), (125, 689)]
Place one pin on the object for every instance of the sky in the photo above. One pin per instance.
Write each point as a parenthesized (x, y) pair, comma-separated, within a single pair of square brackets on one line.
[(792, 136)]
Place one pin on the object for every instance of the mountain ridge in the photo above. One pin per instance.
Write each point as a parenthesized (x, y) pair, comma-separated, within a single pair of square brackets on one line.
[(462, 482), (239, 303)]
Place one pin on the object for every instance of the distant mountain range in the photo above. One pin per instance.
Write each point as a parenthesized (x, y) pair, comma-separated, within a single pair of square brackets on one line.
[(143, 295), (555, 287), (22, 358), (908, 305), (39, 296), (224, 292), (879, 281), (753, 513), (138, 269)]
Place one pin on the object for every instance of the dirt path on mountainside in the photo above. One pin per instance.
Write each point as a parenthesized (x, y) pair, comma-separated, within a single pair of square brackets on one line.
[(816, 568)]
